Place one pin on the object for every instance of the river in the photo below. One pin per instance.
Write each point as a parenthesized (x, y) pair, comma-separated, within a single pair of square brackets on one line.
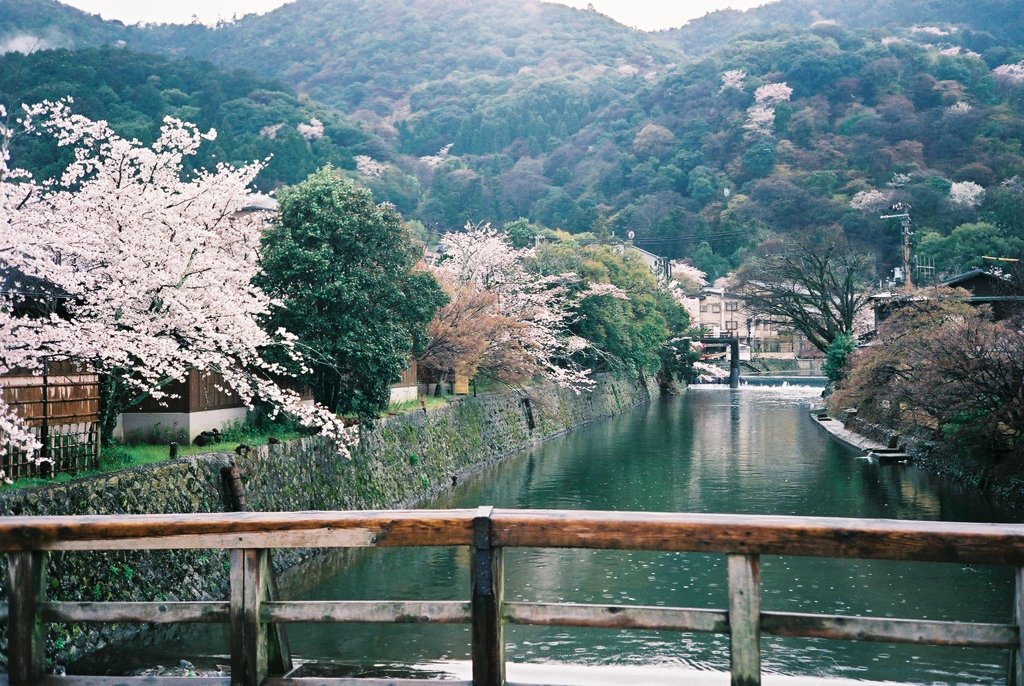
[(751, 450)]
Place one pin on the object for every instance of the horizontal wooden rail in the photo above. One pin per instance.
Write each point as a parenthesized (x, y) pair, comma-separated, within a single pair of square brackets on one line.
[(138, 613), (762, 535), (237, 530), (618, 617), (974, 635), (391, 611), (715, 533), (255, 615)]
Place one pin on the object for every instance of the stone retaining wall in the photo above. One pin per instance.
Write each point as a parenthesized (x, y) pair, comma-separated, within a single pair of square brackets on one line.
[(405, 460), (1001, 481)]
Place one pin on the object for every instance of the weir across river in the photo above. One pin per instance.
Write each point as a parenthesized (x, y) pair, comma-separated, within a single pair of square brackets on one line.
[(254, 614)]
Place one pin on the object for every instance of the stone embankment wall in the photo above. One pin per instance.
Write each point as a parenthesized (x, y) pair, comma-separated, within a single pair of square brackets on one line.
[(1001, 481), (405, 460)]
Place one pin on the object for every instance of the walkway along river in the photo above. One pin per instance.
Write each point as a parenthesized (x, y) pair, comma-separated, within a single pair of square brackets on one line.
[(751, 450)]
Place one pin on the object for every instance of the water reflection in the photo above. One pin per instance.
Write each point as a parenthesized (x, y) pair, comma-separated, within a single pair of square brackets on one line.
[(712, 450)]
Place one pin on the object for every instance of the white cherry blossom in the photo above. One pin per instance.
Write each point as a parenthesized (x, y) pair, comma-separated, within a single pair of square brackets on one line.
[(134, 266)]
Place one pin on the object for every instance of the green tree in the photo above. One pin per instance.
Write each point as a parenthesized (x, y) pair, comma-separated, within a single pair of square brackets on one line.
[(342, 267), (966, 245), (628, 327), (521, 233), (834, 366)]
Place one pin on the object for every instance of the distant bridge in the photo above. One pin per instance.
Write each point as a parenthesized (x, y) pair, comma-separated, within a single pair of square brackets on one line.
[(734, 355)]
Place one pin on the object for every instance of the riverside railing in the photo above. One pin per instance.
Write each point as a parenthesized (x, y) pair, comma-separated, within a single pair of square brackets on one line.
[(258, 656)]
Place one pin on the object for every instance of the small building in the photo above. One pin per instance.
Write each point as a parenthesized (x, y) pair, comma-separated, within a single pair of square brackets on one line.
[(721, 313), (984, 287), (407, 388), (202, 402), (990, 289)]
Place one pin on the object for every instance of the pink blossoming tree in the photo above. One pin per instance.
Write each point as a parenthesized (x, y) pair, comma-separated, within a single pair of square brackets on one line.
[(527, 314), (128, 265)]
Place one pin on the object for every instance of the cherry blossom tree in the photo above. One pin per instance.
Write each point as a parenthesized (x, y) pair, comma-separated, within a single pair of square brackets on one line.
[(127, 264), (761, 116), (1010, 74), (733, 80), (502, 318), (966, 194)]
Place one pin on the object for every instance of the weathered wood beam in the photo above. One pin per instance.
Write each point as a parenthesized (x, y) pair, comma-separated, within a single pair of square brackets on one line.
[(72, 680), (356, 681), (238, 530), (135, 612), (486, 591), (1016, 671), (618, 617), (254, 639), (279, 656), (745, 620), (236, 599), (763, 535), (396, 611), (26, 634), (973, 635)]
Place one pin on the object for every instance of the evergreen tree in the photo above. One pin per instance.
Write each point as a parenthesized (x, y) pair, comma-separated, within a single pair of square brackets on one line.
[(343, 269)]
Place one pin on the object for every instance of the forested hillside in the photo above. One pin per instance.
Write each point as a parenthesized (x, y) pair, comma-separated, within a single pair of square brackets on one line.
[(987, 24), (254, 117), (704, 140)]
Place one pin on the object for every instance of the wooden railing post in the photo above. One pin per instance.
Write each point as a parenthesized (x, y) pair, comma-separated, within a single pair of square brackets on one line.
[(487, 588), (1016, 675), (248, 636), (745, 620), (26, 635)]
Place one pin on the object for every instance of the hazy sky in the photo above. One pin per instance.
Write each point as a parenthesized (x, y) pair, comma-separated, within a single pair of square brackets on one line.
[(643, 14)]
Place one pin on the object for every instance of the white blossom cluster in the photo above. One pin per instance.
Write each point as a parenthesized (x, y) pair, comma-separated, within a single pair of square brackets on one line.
[(772, 94), (733, 80), (312, 131), (761, 116), (929, 31), (708, 373), (689, 275), (1012, 74), (367, 166), (434, 160), (271, 131), (966, 194), (870, 200), (146, 271)]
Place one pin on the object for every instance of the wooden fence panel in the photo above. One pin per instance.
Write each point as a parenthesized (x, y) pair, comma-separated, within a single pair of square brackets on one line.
[(62, 408)]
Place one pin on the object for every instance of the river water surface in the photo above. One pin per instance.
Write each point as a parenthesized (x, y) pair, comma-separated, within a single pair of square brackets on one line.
[(712, 449)]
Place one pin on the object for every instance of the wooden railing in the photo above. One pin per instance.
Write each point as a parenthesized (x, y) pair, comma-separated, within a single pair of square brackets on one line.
[(258, 656)]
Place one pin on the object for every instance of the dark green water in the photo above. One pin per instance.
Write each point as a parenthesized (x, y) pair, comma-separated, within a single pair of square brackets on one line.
[(711, 450)]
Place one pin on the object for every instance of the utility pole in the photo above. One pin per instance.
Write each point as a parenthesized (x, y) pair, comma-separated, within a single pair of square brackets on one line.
[(903, 214)]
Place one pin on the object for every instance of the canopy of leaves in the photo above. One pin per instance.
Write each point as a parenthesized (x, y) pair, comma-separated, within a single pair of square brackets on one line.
[(500, 110), (342, 268), (129, 266), (943, 365), (255, 117), (628, 324)]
